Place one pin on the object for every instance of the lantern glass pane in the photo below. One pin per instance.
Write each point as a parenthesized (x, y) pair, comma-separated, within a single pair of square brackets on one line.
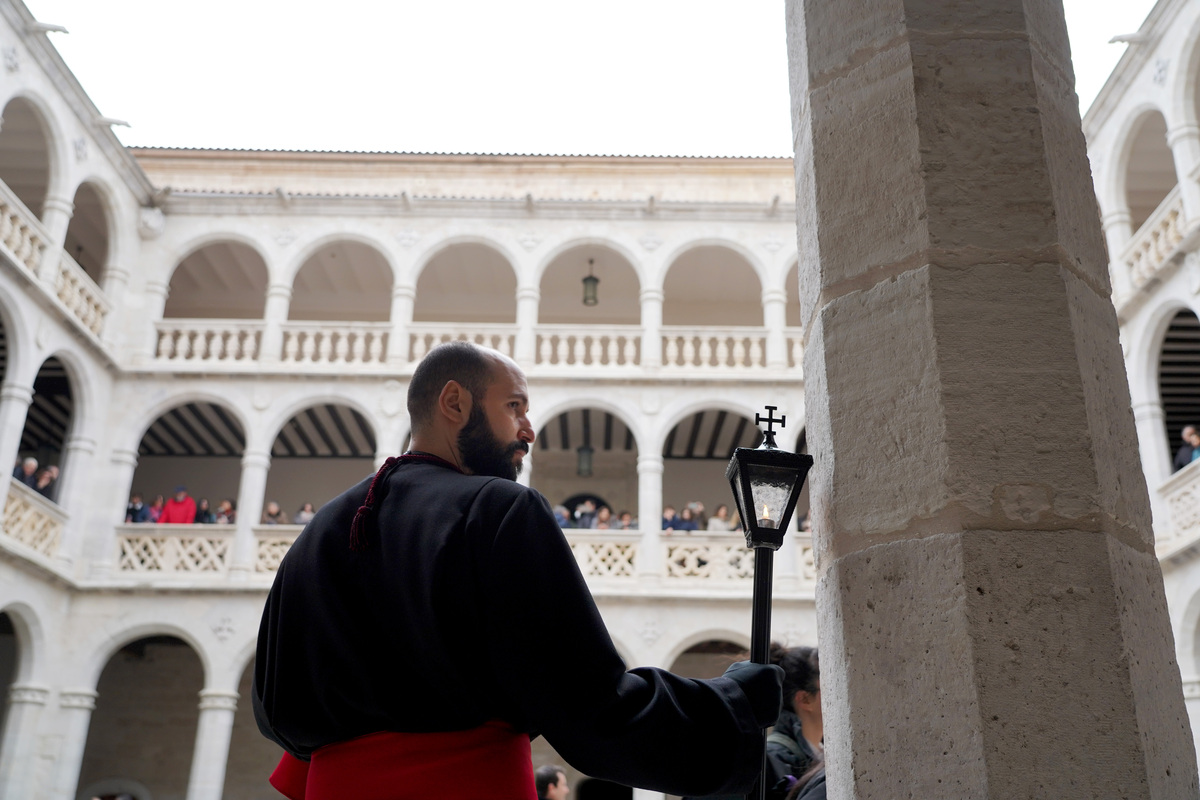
[(771, 487)]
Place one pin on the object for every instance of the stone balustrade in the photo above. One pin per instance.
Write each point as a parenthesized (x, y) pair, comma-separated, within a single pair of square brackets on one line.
[(1181, 496), (32, 521), (188, 550), (607, 559), (80, 294), (1156, 242), (424, 336), (345, 343), (718, 349), (271, 544), (207, 342), (592, 346), (236, 345), (21, 234)]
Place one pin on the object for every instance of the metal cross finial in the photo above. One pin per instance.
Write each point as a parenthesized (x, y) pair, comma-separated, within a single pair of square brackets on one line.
[(769, 434)]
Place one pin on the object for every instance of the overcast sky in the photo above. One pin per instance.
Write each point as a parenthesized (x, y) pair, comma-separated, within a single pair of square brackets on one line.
[(645, 77)]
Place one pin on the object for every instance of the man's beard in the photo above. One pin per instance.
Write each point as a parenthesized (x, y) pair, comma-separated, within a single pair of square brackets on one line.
[(483, 454)]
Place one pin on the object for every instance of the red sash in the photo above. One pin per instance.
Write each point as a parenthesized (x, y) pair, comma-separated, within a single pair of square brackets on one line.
[(491, 761)]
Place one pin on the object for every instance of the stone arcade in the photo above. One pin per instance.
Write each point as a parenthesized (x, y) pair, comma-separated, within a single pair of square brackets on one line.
[(244, 323)]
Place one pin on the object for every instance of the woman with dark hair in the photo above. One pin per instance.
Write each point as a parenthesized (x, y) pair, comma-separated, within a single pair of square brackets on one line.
[(794, 746)]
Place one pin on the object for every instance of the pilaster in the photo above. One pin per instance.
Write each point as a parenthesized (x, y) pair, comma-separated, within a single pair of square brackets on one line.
[(251, 495), (75, 707)]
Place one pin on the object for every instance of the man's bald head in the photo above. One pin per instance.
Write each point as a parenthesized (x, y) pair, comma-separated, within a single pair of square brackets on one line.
[(470, 365)]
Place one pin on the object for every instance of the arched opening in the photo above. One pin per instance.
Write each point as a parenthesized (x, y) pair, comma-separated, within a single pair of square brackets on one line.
[(144, 727), (195, 445), (694, 457), (618, 293), (252, 756), (318, 454), (9, 659), (708, 659), (47, 425), (1179, 376), (222, 280), (467, 283), (712, 286), (588, 455), (87, 233), (1150, 173), (343, 281), (25, 154)]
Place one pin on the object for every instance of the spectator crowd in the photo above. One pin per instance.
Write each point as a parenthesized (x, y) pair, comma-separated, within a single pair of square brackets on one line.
[(183, 509), (43, 481)]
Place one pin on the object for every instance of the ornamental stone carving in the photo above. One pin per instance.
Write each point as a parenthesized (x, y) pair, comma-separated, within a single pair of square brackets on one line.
[(650, 242), (30, 695), (81, 149), (284, 237), (407, 237), (151, 223), (12, 62), (224, 628), (1160, 71), (529, 241), (650, 631)]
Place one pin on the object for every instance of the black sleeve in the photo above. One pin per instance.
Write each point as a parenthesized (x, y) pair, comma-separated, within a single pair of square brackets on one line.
[(549, 647)]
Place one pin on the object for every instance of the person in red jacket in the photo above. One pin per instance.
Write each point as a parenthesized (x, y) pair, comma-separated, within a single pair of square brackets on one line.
[(179, 510)]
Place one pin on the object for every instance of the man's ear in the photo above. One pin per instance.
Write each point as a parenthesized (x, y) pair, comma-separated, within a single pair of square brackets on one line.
[(454, 403)]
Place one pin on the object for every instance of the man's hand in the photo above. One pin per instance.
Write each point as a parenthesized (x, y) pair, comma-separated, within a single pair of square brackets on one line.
[(762, 685)]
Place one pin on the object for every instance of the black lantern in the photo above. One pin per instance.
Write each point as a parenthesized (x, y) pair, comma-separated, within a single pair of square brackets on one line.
[(589, 285), (583, 467), (766, 483)]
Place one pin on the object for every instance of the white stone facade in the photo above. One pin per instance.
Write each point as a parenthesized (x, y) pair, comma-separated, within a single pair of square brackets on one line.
[(268, 284)]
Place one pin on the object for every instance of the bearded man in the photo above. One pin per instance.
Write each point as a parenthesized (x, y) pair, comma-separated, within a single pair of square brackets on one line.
[(403, 638)]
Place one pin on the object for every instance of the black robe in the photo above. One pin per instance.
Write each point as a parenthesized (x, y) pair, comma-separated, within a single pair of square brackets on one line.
[(466, 606)]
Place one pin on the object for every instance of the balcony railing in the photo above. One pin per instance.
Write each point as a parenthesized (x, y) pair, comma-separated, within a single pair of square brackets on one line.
[(20, 232), (590, 347), (1156, 241), (734, 349), (237, 345), (208, 341), (346, 343), (1181, 495), (80, 294), (174, 549), (424, 336), (32, 521), (607, 558)]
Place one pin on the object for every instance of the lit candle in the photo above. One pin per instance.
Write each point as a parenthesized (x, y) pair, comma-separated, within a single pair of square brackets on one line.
[(765, 521)]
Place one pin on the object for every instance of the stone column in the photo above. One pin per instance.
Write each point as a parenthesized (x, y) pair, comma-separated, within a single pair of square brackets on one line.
[(56, 216), (116, 280), (251, 490), (213, 732), (993, 620), (279, 298), (1118, 230), (650, 549), (1155, 452), (121, 468), (75, 715), (156, 303), (15, 398), (18, 747), (72, 495), (525, 349), (652, 303), (1184, 141), (775, 319), (403, 297)]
